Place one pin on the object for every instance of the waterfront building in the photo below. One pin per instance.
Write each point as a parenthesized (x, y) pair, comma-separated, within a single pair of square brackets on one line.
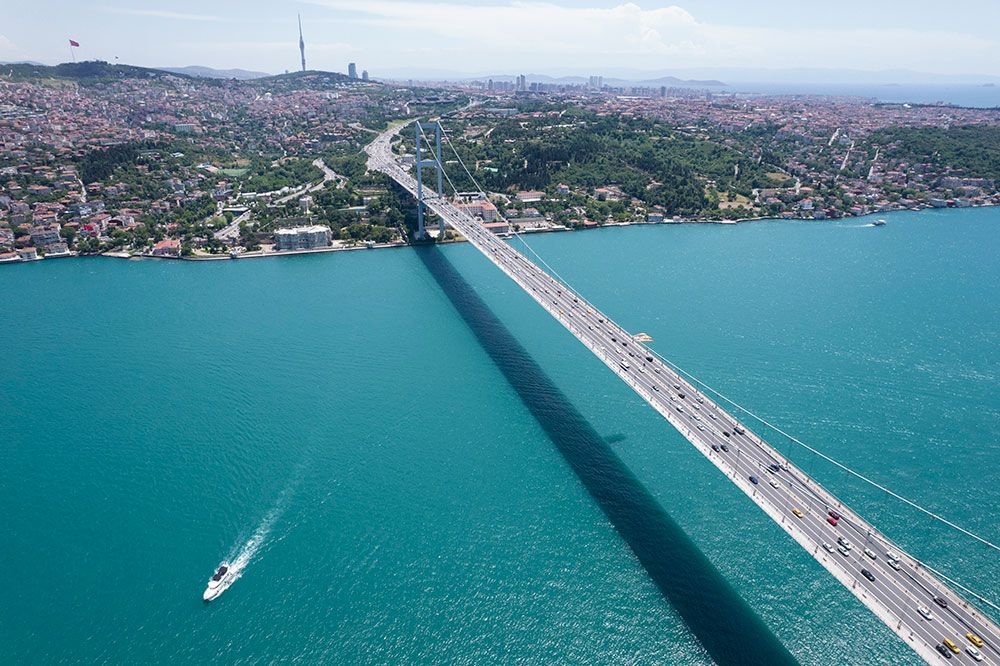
[(302, 238), (167, 247), (46, 235)]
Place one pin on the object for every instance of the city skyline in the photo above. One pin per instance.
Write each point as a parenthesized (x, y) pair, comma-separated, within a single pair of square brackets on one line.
[(470, 38)]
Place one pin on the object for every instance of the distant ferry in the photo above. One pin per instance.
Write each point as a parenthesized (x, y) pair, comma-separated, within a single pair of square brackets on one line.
[(879, 222), (219, 581)]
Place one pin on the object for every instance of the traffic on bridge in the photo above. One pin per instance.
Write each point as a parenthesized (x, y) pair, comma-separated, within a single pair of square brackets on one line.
[(920, 608)]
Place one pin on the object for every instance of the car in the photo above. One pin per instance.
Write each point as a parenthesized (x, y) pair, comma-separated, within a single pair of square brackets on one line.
[(774, 469), (974, 653), (739, 430), (726, 433), (711, 416), (701, 427), (827, 547), (833, 514), (600, 321), (656, 388), (868, 574), (891, 555), (680, 409), (950, 644), (624, 344), (696, 406), (649, 358), (680, 395), (925, 612), (700, 400), (941, 601), (754, 480), (625, 365), (774, 484), (725, 448), (843, 551), (677, 386), (975, 640), (870, 553), (832, 521), (845, 543), (715, 447), (943, 650), (798, 512), (614, 339), (894, 564)]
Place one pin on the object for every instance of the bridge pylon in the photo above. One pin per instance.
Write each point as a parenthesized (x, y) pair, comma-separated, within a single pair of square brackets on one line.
[(422, 164)]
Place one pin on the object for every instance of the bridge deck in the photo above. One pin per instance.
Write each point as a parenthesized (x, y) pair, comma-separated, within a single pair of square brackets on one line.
[(894, 596)]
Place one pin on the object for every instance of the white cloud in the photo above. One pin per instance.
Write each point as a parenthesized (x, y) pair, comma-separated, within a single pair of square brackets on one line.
[(161, 14), (524, 33)]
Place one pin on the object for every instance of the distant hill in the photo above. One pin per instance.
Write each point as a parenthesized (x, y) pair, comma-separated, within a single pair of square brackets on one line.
[(94, 71), (210, 73), (307, 80), (91, 70)]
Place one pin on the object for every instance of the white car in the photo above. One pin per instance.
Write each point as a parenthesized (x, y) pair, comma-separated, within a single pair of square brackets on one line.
[(869, 553), (844, 542), (774, 484), (894, 564), (974, 653), (827, 547), (925, 612)]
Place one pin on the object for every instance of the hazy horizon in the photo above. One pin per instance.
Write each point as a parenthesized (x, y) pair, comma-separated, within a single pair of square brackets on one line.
[(392, 38)]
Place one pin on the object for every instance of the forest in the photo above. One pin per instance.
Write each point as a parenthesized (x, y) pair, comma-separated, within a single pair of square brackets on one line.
[(973, 150)]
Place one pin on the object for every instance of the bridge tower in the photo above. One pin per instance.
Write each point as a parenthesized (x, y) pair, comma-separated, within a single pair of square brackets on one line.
[(422, 164)]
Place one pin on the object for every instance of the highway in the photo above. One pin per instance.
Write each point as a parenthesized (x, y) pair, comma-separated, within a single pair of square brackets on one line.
[(783, 491)]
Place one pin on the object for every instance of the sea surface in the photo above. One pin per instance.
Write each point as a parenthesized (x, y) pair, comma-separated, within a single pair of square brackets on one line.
[(415, 464), (970, 95)]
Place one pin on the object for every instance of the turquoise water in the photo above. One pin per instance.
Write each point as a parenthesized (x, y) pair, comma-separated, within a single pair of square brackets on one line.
[(418, 507)]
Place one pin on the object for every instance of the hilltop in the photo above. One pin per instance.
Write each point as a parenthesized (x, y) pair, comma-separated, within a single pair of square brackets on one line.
[(87, 71), (211, 73)]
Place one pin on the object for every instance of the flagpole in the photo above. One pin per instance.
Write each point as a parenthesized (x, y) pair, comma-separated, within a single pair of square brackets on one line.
[(71, 54)]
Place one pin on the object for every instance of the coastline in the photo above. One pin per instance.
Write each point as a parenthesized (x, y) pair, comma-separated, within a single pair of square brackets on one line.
[(260, 254)]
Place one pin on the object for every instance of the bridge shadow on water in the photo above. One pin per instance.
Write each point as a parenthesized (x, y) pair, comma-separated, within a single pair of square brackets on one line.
[(724, 624)]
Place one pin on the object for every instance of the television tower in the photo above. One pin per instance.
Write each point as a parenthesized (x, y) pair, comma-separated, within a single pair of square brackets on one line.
[(302, 44)]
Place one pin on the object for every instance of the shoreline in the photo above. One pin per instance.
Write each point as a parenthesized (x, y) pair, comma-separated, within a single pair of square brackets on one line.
[(259, 254)]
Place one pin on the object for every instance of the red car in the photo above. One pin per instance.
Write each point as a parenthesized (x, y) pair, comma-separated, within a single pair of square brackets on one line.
[(834, 514), (832, 521)]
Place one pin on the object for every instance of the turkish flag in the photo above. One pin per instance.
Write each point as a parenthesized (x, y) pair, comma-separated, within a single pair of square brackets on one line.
[(73, 43)]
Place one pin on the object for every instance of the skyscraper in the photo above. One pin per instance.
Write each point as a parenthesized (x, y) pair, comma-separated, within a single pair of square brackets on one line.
[(364, 75), (302, 44), (352, 70)]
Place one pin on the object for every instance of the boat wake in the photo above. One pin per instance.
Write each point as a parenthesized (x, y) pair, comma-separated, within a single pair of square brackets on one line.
[(240, 556)]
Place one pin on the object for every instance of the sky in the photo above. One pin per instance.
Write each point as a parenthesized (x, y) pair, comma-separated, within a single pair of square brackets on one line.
[(479, 37)]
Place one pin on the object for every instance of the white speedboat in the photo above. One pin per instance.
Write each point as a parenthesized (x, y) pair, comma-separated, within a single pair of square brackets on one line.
[(879, 223), (219, 581)]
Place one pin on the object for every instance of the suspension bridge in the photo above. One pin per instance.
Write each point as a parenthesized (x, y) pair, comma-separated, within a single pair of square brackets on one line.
[(917, 603)]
